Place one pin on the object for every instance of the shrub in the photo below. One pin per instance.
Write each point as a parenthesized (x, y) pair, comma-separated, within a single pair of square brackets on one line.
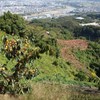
[(12, 24), (14, 79), (80, 76)]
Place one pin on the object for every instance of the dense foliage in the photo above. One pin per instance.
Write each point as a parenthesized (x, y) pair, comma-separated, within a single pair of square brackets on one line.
[(12, 24), (30, 52), (89, 32), (13, 78)]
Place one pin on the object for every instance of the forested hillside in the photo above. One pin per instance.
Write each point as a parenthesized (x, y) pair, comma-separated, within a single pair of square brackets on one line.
[(48, 51)]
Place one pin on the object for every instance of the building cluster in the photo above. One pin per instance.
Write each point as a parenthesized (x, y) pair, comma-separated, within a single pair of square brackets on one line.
[(31, 9)]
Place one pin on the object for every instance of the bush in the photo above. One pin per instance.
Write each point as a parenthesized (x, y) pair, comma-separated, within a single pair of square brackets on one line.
[(12, 24), (15, 77), (81, 76)]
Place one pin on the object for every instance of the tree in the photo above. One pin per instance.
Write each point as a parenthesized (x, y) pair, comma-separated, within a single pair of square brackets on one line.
[(12, 24)]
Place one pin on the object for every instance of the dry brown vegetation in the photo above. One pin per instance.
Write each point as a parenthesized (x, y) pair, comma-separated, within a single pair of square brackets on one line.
[(52, 91), (75, 44)]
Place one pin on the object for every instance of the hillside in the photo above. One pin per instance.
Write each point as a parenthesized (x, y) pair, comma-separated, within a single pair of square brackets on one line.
[(48, 54), (67, 46)]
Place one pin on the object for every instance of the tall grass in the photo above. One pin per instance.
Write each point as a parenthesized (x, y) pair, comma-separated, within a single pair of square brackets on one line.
[(52, 91)]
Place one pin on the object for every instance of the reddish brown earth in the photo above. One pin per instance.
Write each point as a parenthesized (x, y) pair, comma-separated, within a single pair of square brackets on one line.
[(66, 51), (76, 44)]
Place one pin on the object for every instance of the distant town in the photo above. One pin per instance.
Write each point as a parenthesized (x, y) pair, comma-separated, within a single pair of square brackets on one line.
[(35, 9)]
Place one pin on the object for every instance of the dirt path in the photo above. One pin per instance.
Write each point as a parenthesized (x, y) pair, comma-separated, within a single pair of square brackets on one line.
[(70, 57), (66, 52), (73, 44)]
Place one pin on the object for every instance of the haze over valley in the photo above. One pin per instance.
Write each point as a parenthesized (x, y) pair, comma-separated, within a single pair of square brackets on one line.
[(31, 9)]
